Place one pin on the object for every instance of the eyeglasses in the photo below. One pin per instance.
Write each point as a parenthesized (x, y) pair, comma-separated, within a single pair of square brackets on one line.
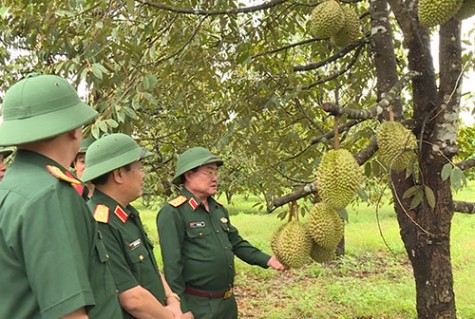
[(209, 172)]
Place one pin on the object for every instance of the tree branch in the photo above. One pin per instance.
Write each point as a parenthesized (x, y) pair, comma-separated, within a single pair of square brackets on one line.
[(467, 164), (372, 112), (341, 128), (464, 207), (202, 12), (336, 74), (310, 188), (333, 58)]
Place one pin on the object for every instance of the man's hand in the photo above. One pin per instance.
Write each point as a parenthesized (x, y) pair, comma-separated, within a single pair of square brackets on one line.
[(274, 263)]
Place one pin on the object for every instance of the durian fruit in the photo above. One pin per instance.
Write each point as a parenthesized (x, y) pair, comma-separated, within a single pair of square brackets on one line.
[(397, 146), (338, 178), (327, 19), (321, 254), (350, 31), (466, 10), (435, 12), (291, 244), (324, 225)]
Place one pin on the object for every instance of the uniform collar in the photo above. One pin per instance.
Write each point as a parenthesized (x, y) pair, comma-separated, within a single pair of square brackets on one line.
[(195, 202), (120, 211)]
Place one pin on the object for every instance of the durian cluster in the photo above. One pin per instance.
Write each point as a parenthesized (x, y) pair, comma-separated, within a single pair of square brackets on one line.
[(397, 146), (330, 20), (436, 12), (338, 178)]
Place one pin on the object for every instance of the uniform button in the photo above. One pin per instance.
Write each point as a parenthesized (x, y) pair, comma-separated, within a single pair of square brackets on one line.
[(230, 266), (225, 247), (217, 230), (141, 257), (107, 257)]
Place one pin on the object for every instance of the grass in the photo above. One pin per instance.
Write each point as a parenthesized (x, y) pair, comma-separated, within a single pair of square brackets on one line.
[(373, 280)]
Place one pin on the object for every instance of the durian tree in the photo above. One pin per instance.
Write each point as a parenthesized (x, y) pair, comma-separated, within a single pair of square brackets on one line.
[(259, 85)]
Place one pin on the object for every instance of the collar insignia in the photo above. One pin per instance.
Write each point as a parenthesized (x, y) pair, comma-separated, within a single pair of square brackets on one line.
[(119, 212), (67, 177), (193, 203)]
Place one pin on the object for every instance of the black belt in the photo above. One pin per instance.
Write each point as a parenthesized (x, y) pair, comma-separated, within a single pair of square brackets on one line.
[(207, 294)]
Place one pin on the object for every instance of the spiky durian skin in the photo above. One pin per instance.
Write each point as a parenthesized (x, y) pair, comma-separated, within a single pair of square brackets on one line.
[(350, 31), (321, 254), (397, 146), (338, 178), (466, 10), (323, 226), (291, 244), (435, 12), (327, 19)]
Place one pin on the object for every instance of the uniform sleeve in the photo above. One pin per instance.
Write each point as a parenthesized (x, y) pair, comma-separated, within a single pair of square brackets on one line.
[(56, 248), (123, 277), (244, 250), (171, 236)]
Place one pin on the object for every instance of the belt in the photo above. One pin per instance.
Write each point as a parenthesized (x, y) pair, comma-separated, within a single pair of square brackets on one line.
[(202, 293)]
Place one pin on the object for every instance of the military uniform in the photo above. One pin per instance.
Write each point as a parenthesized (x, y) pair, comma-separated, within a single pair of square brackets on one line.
[(198, 250), (53, 261), (132, 259)]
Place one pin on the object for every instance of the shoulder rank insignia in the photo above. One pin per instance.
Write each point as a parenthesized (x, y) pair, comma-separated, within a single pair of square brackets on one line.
[(67, 177), (101, 213), (178, 201), (119, 212)]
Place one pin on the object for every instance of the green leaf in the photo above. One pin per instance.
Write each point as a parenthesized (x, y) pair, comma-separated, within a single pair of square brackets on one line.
[(3, 12), (429, 196), (343, 214), (102, 126), (362, 194), (446, 171), (417, 199), (282, 215), (96, 70), (112, 123), (411, 191)]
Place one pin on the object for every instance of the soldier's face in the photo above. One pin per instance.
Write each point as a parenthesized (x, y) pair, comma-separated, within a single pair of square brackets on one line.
[(203, 182), (3, 167), (133, 179), (80, 164)]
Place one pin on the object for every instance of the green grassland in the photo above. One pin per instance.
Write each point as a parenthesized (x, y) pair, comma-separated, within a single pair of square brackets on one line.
[(373, 280)]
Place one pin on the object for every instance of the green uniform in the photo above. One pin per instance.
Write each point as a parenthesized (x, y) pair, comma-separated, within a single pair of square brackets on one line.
[(198, 250), (132, 260), (52, 258)]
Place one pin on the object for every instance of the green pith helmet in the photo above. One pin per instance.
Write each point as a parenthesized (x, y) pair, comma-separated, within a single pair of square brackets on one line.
[(86, 142), (111, 152), (6, 151), (39, 107), (193, 158)]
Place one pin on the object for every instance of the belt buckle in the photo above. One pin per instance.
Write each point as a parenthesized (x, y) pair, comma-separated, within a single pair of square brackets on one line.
[(228, 293)]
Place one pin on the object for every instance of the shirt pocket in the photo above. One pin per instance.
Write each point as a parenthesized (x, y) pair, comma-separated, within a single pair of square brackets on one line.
[(197, 233), (138, 255)]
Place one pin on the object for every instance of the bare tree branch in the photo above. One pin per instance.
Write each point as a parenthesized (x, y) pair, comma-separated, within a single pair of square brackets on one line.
[(333, 58), (289, 46), (374, 111), (464, 207), (336, 74), (329, 135), (202, 12), (467, 164)]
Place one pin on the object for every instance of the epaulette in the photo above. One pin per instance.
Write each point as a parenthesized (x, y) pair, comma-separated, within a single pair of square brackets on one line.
[(180, 200), (101, 213), (67, 177)]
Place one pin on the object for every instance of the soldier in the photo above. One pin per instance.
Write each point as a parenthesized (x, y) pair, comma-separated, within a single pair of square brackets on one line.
[(52, 259), (114, 165), (198, 241), (4, 153), (79, 163)]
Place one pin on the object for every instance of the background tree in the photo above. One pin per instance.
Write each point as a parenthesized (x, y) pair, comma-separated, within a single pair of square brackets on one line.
[(252, 84)]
